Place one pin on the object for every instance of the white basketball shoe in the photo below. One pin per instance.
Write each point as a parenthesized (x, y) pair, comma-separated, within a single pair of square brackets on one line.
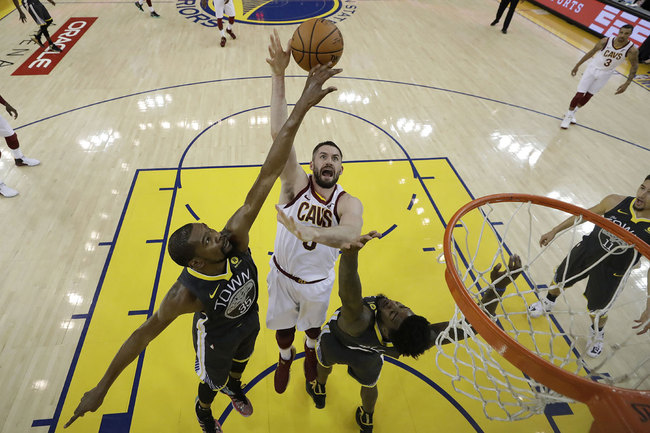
[(540, 307), (595, 343), (566, 122), (5, 191)]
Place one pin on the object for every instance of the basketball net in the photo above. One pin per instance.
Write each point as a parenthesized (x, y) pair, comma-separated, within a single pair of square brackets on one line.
[(517, 365)]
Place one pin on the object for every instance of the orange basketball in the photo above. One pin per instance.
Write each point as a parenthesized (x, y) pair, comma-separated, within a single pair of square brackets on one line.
[(316, 41)]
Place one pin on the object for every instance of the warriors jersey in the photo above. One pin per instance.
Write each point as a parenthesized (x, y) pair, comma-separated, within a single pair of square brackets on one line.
[(228, 299), (370, 340), (609, 57), (307, 261), (601, 241)]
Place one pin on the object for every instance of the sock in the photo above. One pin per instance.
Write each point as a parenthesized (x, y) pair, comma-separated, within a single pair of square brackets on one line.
[(151, 9), (285, 353), (17, 154), (310, 342), (551, 297)]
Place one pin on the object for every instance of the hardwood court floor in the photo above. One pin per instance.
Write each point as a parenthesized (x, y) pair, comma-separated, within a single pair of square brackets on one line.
[(427, 83)]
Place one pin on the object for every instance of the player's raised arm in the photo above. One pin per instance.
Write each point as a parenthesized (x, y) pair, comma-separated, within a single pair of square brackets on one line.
[(293, 177), (176, 302), (351, 320), (241, 222)]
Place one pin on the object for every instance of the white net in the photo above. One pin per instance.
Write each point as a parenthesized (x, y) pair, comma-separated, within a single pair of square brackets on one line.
[(489, 235)]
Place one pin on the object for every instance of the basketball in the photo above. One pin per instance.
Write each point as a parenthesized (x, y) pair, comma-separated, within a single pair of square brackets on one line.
[(316, 41)]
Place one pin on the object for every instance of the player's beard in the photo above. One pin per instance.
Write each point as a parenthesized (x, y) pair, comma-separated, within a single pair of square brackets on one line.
[(325, 183)]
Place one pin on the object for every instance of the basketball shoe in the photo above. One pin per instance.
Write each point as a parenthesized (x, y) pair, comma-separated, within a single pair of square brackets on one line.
[(37, 40), (154, 15), (239, 400), (317, 392), (595, 343), (206, 421), (364, 420), (230, 32), (540, 307), (139, 6), (223, 41), (281, 375), (26, 162), (566, 122), (54, 48), (573, 120), (5, 191)]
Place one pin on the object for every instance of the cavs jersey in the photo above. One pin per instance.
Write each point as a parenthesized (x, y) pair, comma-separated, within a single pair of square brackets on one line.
[(228, 299), (609, 57), (370, 340), (307, 261), (601, 241)]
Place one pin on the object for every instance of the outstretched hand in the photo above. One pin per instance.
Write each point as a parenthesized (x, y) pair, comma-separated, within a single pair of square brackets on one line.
[(90, 402), (278, 58), (313, 92), (355, 246), (513, 269), (304, 233), (546, 238), (12, 111)]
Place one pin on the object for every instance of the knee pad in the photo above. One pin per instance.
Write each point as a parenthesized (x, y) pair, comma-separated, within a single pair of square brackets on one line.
[(285, 337)]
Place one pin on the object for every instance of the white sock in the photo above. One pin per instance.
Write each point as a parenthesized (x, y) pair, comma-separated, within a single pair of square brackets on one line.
[(151, 9), (17, 154), (229, 27), (285, 353), (140, 1), (223, 34), (310, 342)]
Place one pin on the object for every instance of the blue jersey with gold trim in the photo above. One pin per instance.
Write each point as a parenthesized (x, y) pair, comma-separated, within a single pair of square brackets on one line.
[(602, 241), (228, 299), (370, 340)]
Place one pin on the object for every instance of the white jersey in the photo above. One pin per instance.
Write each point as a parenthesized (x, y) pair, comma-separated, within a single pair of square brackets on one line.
[(609, 57), (307, 261)]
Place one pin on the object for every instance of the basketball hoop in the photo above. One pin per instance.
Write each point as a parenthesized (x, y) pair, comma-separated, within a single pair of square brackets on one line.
[(551, 373)]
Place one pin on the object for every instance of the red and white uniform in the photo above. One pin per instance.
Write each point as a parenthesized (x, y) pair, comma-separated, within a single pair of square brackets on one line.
[(224, 6), (302, 274), (5, 128), (602, 67)]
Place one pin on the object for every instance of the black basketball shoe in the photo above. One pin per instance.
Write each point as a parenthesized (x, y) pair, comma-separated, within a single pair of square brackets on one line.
[(239, 400), (206, 420), (317, 392), (364, 420)]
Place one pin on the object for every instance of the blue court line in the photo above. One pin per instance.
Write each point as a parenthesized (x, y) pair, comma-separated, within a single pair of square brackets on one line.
[(376, 80), (428, 177), (189, 209), (390, 229), (93, 304), (411, 202), (166, 189), (497, 223), (105, 244), (80, 316), (138, 312), (154, 241), (42, 422), (428, 249), (270, 253)]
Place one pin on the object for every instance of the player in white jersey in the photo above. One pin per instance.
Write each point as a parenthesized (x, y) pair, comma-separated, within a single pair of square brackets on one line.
[(222, 7), (324, 218), (607, 54)]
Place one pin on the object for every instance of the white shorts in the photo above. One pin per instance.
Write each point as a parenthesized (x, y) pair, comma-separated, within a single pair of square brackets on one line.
[(293, 304), (220, 8), (5, 128), (593, 80)]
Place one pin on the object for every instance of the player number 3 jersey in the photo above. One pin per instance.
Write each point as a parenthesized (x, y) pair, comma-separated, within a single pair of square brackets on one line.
[(308, 261), (609, 57)]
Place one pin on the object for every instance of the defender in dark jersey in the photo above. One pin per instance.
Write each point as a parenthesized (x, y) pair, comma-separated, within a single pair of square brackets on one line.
[(630, 213), (42, 17), (218, 285), (363, 330)]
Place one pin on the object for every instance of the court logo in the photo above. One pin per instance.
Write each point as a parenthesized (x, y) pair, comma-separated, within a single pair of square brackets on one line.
[(264, 12), (43, 61)]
